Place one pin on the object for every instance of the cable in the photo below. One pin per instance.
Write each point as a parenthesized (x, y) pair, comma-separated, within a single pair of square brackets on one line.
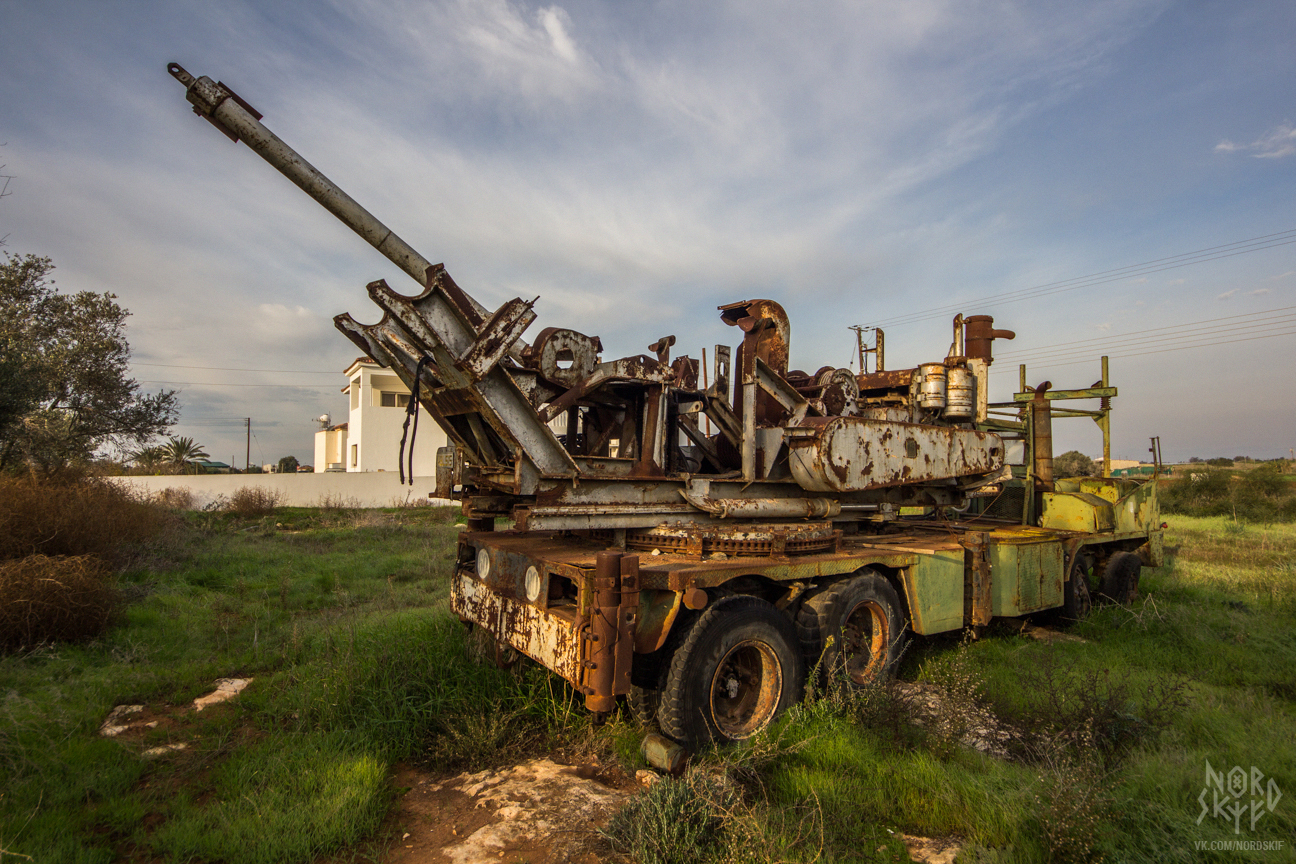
[(1047, 365), (209, 384), (1157, 265), (1172, 327), (236, 369), (1200, 336)]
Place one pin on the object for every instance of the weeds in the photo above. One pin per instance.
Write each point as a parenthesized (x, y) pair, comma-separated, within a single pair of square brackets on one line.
[(1074, 800), (175, 498), (250, 502), (53, 598), (675, 822), (88, 517), (1085, 711), (1258, 495)]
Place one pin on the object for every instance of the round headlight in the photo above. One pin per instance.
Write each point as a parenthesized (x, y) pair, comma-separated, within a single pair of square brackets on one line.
[(533, 584), (483, 563)]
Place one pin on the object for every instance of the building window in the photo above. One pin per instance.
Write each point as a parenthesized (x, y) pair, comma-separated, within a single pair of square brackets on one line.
[(355, 394), (355, 455), (395, 400)]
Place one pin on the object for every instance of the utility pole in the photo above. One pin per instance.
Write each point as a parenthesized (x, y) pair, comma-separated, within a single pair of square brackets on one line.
[(247, 464), (877, 348)]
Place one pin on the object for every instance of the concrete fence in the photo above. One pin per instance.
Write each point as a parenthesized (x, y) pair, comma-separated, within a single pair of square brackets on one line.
[(367, 489)]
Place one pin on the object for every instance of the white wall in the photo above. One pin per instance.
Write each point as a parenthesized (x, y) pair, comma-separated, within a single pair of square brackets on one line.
[(374, 489)]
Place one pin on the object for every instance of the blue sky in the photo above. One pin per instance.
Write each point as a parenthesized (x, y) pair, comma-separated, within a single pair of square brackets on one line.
[(636, 165)]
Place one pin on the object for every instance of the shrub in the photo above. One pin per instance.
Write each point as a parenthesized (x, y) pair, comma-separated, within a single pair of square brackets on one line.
[(45, 598), (254, 501), (675, 820), (86, 516), (1091, 713), (1258, 495), (175, 498)]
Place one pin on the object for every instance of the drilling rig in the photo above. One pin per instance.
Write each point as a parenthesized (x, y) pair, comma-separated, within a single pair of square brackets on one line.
[(693, 540)]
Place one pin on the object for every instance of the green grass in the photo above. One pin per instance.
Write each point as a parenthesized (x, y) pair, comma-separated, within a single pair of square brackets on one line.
[(342, 619), (340, 616)]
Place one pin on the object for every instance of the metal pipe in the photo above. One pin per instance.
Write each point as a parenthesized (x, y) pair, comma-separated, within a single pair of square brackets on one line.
[(749, 430), (604, 628), (229, 113), (1042, 450), (1105, 423), (766, 508)]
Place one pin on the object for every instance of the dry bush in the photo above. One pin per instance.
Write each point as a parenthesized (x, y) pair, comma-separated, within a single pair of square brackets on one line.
[(253, 501), (336, 502), (86, 516), (1092, 713), (175, 498), (43, 599)]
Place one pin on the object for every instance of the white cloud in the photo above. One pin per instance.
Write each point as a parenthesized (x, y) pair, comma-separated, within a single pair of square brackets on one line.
[(1227, 294), (1176, 281), (1284, 275), (1258, 292), (1274, 144)]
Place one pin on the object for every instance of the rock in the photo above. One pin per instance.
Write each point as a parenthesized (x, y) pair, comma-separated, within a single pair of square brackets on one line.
[(226, 689), (1047, 634), (535, 802), (164, 749), (113, 725), (646, 777), (932, 850)]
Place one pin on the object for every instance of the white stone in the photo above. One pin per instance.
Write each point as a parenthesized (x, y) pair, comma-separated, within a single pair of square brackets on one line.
[(226, 689)]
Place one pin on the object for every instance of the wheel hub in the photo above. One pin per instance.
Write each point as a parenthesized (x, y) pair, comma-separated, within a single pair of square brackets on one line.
[(745, 689), (864, 641)]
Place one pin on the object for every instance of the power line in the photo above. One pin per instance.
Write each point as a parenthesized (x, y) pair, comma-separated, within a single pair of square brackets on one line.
[(1102, 340), (209, 384), (1048, 365), (236, 369), (1103, 277), (1198, 336)]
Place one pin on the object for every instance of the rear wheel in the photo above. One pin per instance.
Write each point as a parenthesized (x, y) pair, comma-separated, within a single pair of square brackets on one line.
[(853, 629), (735, 672), (1121, 578)]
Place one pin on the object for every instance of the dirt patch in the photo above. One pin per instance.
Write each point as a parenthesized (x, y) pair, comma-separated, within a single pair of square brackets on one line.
[(932, 850), (538, 811)]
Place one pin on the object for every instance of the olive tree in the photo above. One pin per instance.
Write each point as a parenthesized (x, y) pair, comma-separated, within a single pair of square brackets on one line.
[(65, 385), (1073, 463)]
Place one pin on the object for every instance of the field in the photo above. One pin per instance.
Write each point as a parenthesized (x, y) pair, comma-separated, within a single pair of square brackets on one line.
[(1100, 736)]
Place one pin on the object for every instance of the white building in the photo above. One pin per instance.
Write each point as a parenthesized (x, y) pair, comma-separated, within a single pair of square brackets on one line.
[(370, 439)]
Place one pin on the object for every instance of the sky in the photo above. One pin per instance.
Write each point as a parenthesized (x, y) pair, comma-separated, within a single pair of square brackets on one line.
[(1097, 176)]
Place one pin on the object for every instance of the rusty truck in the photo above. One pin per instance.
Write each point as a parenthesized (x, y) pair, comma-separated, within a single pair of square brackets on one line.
[(693, 537)]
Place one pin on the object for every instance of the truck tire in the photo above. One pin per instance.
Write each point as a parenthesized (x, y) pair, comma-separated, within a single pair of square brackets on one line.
[(1077, 602), (643, 703), (1121, 578), (862, 617), (736, 670)]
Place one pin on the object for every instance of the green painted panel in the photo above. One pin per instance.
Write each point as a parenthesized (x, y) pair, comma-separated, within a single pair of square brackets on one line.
[(1025, 577), (1077, 511), (934, 589)]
